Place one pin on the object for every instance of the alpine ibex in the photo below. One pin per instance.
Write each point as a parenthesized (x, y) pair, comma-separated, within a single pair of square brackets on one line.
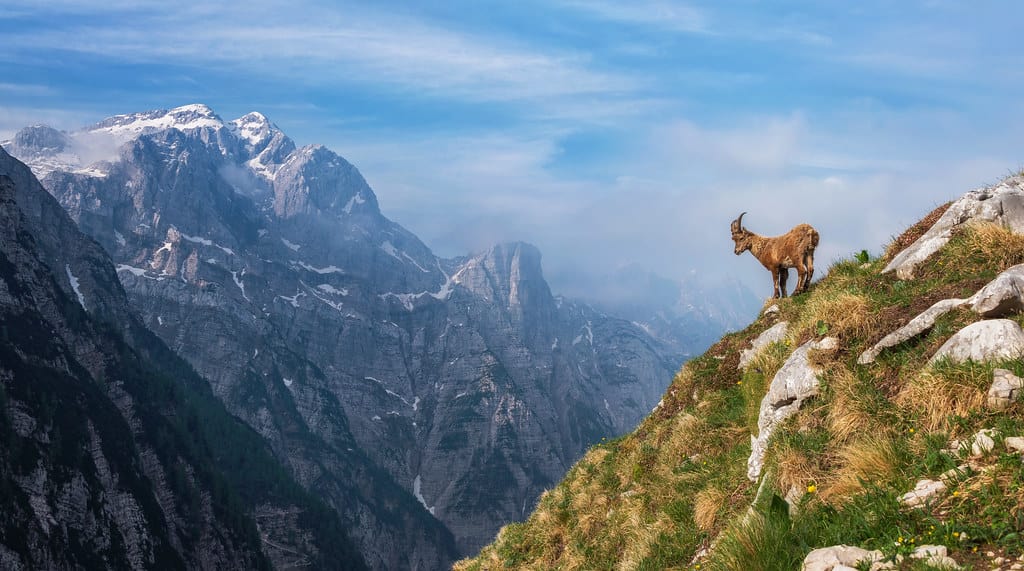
[(794, 249)]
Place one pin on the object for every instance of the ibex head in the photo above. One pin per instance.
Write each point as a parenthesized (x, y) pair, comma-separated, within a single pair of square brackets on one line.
[(740, 235)]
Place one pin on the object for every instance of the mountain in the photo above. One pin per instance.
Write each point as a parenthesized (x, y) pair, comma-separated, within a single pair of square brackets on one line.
[(447, 394), (874, 422), (687, 315), (115, 453)]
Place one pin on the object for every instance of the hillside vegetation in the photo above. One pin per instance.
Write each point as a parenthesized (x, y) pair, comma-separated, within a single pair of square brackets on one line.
[(675, 493)]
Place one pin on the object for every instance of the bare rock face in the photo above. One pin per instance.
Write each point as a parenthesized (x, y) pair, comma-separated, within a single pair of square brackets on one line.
[(773, 334), (420, 396), (988, 340), (1005, 389), (1003, 296), (794, 383), (916, 326), (109, 439), (1002, 204)]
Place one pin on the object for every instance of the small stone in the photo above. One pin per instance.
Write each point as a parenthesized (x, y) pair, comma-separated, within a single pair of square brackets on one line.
[(983, 442), (773, 308), (1005, 389), (955, 473), (926, 551), (999, 560), (923, 492), (827, 344), (832, 558), (1014, 444)]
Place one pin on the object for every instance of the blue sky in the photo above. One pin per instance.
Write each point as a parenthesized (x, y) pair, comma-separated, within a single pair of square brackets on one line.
[(604, 132)]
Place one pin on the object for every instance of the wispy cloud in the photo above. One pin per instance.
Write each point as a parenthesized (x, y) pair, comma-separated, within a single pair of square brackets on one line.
[(674, 16)]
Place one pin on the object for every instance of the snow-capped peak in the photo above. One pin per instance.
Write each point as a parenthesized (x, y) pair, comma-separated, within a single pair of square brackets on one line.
[(254, 128), (192, 116)]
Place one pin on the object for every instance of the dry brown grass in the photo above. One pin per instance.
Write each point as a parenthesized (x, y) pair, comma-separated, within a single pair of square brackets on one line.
[(706, 506), (998, 245), (847, 414), (847, 315), (796, 468), (871, 458), (933, 399)]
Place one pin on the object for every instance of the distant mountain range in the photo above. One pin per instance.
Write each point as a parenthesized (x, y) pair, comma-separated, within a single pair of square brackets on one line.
[(116, 454), (428, 401)]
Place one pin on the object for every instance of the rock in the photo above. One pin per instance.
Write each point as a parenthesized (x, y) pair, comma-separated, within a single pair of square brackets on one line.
[(1005, 389), (795, 382), (916, 326), (773, 334), (926, 551), (923, 493), (1003, 204), (1002, 296), (935, 556), (772, 309), (1014, 444), (954, 473), (990, 340), (983, 442), (840, 557)]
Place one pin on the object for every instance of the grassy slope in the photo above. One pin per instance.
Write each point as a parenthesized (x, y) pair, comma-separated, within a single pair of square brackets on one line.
[(675, 487)]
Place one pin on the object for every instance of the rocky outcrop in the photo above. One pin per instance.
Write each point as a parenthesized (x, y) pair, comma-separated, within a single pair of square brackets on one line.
[(116, 455), (1003, 296), (773, 334), (988, 340), (1002, 204), (418, 395), (794, 383)]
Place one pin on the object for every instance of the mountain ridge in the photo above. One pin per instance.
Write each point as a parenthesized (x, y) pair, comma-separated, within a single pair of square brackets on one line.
[(324, 322)]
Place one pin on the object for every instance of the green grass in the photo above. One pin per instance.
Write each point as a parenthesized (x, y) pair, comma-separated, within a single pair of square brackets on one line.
[(677, 485)]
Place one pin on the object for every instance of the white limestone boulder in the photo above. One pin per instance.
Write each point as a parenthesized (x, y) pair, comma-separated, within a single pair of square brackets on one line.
[(773, 334), (1002, 204), (916, 326), (990, 340), (924, 492), (840, 557), (795, 382), (1005, 389), (1002, 296)]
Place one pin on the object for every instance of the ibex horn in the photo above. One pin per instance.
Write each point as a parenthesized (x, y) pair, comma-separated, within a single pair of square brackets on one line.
[(739, 221)]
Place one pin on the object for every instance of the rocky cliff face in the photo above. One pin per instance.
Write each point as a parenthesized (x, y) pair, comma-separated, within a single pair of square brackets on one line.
[(115, 454), (450, 393)]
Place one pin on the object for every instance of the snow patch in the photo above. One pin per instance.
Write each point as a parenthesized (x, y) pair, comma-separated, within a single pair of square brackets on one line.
[(74, 285), (375, 417), (415, 404), (287, 382), (324, 270), (587, 332), (160, 319), (205, 242), (416, 485), (238, 282), (294, 300), (328, 288), (356, 199), (292, 245), (119, 238)]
